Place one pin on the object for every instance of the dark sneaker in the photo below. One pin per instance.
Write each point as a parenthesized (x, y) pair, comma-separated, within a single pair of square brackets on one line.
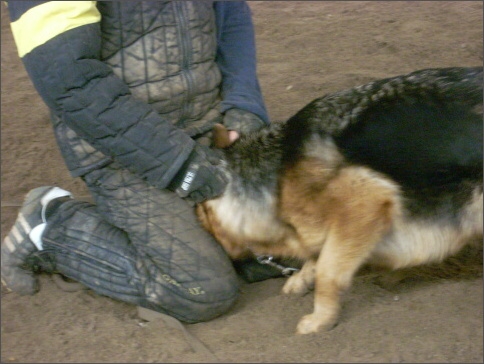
[(24, 239)]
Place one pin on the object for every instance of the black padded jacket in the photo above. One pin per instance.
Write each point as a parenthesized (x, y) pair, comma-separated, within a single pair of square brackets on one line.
[(134, 81)]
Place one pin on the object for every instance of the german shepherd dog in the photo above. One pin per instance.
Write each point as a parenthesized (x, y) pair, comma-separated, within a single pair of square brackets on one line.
[(388, 174)]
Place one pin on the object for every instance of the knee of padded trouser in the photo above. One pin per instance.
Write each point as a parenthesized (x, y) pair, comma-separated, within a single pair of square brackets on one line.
[(197, 304), (200, 312)]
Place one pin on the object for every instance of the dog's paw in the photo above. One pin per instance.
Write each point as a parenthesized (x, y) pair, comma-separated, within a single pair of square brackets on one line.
[(313, 323), (295, 284), (309, 324)]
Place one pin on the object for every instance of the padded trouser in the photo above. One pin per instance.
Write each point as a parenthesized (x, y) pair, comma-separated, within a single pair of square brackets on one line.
[(143, 246)]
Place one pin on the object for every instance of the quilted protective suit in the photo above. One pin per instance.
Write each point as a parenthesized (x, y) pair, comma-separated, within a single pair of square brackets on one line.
[(132, 86)]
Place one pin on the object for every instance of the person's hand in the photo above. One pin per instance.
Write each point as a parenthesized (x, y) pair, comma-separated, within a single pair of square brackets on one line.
[(223, 138), (239, 122), (200, 178), (233, 136)]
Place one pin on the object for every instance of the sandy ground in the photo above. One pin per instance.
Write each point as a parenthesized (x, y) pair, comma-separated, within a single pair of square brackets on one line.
[(305, 50)]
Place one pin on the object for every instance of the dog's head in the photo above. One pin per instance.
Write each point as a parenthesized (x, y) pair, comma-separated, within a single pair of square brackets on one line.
[(206, 211), (207, 216)]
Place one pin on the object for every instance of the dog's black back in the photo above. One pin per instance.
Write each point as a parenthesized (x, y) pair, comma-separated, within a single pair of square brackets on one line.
[(424, 129)]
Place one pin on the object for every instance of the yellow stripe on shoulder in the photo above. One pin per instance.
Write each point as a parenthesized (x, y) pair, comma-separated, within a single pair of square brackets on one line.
[(44, 22)]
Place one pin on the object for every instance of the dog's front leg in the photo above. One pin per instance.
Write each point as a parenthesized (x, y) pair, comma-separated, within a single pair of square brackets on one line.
[(346, 248), (342, 255), (302, 281), (330, 281)]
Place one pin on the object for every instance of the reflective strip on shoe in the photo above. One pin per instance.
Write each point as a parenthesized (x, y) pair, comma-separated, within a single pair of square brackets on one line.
[(36, 235), (22, 229), (54, 193), (25, 225), (9, 244), (17, 237), (16, 234)]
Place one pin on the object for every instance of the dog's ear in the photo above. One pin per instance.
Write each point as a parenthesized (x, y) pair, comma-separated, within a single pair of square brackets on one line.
[(220, 136)]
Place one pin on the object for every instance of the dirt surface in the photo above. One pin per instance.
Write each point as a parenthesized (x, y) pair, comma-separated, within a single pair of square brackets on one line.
[(305, 50)]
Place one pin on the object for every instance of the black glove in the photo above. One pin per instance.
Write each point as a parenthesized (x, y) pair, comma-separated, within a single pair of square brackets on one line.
[(244, 122), (200, 178)]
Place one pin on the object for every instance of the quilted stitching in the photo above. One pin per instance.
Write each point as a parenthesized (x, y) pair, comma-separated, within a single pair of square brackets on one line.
[(177, 267)]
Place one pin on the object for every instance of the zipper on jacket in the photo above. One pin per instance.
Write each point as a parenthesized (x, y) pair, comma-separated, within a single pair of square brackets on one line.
[(186, 52)]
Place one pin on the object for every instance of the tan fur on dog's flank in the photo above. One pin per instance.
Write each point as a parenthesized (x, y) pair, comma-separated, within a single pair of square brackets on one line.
[(339, 220)]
